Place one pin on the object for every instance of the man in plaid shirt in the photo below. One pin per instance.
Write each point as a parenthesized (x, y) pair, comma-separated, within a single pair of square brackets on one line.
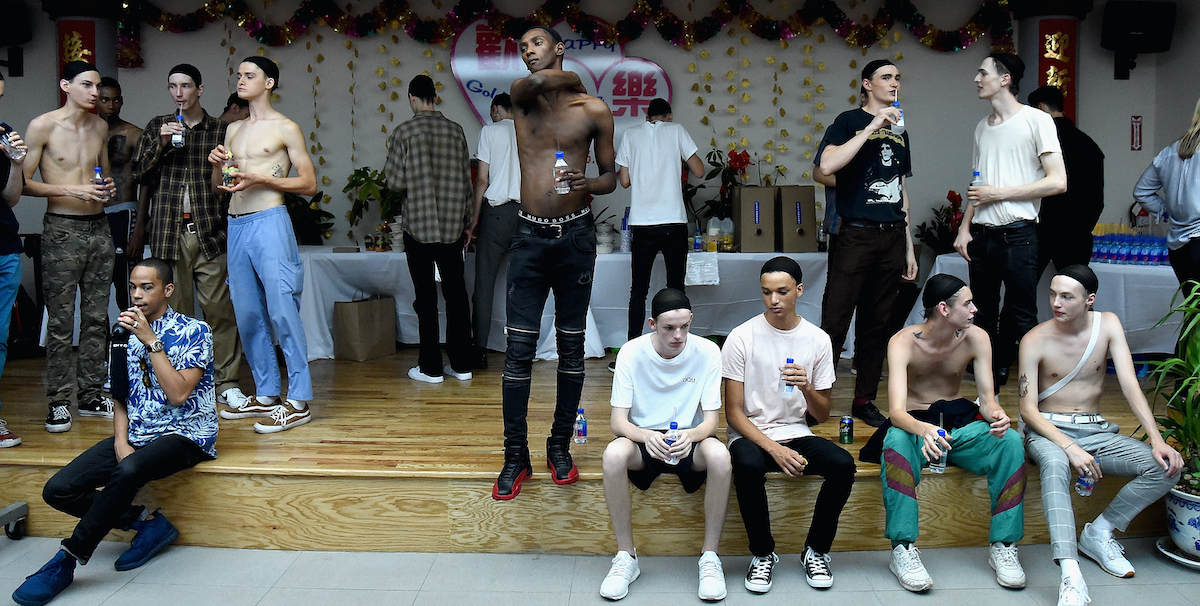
[(187, 219), (429, 164)]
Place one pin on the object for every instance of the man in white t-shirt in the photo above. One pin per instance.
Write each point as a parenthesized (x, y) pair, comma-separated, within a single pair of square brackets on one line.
[(1019, 158), (494, 223), (649, 158), (664, 378), (778, 368)]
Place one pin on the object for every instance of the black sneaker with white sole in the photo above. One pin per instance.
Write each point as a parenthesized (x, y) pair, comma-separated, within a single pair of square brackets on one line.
[(816, 569), (758, 576), (100, 407), (58, 419)]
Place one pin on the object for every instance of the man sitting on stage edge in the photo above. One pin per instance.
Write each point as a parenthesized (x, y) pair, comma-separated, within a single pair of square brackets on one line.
[(768, 430), (1064, 358), (926, 363), (661, 378), (169, 424)]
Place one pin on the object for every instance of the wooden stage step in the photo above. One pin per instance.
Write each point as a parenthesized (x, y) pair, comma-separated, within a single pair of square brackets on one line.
[(390, 464)]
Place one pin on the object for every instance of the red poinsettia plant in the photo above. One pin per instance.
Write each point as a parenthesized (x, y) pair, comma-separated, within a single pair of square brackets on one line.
[(939, 234)]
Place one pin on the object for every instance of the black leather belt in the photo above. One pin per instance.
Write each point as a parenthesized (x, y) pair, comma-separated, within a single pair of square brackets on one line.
[(1004, 229), (881, 226)]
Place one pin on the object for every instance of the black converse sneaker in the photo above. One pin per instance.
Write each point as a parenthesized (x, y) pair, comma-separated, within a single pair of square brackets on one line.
[(758, 576), (100, 407), (816, 569), (58, 419)]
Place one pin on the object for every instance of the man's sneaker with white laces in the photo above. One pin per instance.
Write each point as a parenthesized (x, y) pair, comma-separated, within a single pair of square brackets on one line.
[(284, 417), (58, 419), (906, 565), (1008, 568), (1106, 552), (233, 398), (8, 439), (1073, 592), (758, 576), (816, 569), (623, 572), (100, 407), (712, 577), (250, 408)]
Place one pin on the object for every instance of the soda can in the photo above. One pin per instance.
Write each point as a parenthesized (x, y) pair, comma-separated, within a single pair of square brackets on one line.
[(846, 430)]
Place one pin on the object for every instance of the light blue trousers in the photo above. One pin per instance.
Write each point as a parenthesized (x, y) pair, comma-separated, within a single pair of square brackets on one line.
[(10, 282), (265, 282)]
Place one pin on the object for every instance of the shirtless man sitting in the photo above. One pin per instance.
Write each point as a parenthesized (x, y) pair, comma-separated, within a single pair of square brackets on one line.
[(265, 274), (926, 363), (554, 246), (1064, 358), (68, 145)]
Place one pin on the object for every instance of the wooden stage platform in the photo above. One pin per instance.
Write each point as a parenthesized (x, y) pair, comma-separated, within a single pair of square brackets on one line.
[(390, 464)]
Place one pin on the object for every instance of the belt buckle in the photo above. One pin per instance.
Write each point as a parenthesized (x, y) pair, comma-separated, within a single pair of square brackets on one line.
[(190, 227), (557, 226)]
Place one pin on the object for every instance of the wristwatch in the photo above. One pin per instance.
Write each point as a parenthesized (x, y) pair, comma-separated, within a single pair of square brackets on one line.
[(156, 346)]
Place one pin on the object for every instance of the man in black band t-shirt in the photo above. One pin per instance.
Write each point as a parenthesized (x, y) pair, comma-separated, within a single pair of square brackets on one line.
[(875, 249)]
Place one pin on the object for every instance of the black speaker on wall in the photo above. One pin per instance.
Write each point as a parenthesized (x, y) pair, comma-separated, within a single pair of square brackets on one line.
[(1133, 28), (17, 30)]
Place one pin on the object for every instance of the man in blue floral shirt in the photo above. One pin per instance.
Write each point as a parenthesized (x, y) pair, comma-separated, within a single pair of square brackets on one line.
[(168, 424)]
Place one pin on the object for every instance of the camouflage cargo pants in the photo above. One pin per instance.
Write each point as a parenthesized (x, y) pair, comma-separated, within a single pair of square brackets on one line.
[(77, 253)]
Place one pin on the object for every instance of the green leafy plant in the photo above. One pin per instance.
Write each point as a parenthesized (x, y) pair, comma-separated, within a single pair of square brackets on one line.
[(1177, 382), (365, 185), (939, 234), (311, 223)]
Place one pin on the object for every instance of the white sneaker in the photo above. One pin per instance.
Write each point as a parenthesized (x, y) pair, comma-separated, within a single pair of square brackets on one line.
[(415, 374), (816, 569), (1106, 551), (712, 577), (623, 572), (233, 397), (906, 565), (1008, 568), (1073, 592), (461, 376), (758, 576)]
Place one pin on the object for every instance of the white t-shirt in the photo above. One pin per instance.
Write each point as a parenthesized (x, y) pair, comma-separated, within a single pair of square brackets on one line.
[(1009, 154), (652, 151), (498, 147), (752, 355), (658, 391)]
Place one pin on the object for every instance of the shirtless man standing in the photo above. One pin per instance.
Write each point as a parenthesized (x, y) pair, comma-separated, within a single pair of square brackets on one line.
[(1063, 361), (122, 137), (926, 363), (67, 145), (265, 275), (554, 246)]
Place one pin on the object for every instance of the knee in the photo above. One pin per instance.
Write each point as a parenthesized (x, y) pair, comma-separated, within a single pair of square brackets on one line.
[(616, 456), (843, 469), (56, 492), (716, 457), (747, 466), (522, 345)]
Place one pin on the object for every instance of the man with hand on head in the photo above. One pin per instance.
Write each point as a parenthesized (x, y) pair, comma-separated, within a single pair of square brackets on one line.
[(666, 379)]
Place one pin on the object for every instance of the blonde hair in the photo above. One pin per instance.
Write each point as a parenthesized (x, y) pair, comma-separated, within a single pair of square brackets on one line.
[(1189, 140)]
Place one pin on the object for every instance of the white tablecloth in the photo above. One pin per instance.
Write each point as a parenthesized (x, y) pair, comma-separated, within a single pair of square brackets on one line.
[(1140, 295)]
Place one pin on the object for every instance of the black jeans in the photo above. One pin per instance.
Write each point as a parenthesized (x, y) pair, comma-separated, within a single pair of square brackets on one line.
[(539, 261), (449, 258), (73, 489), (1185, 260), (496, 227), (1005, 255), (826, 459), (121, 224), (672, 241), (1062, 245)]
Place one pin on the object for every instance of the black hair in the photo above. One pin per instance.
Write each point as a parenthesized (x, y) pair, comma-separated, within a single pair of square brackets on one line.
[(110, 82), (553, 34), (502, 100), (74, 68), (422, 87), (1008, 63), (1051, 96), (161, 268), (234, 99), (188, 70), (785, 264), (658, 107), (269, 68)]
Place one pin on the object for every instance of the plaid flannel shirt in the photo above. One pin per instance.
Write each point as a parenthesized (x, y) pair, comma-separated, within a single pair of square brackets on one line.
[(173, 171), (429, 163)]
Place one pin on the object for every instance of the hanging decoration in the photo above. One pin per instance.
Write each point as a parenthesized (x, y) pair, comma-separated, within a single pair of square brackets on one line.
[(993, 17)]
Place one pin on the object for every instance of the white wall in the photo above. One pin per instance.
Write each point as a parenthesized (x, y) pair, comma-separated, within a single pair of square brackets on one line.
[(938, 95)]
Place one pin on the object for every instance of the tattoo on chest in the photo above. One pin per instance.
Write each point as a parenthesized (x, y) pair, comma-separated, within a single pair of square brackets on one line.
[(1023, 386), (277, 171)]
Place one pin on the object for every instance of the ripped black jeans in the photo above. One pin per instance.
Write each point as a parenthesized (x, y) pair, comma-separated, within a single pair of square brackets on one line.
[(542, 259)]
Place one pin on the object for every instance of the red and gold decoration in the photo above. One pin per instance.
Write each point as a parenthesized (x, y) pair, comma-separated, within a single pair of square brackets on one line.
[(76, 42), (993, 17), (1058, 58)]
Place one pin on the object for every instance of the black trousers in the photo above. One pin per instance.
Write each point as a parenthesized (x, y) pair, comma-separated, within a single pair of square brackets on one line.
[(73, 489), (1062, 246), (1005, 255), (825, 458), (649, 240), (1186, 261), (449, 259)]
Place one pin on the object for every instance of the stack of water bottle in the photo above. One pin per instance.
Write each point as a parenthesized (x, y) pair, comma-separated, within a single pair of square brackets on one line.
[(1130, 249)]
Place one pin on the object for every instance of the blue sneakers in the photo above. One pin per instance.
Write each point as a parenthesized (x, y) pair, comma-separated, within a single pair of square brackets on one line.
[(41, 586), (153, 535)]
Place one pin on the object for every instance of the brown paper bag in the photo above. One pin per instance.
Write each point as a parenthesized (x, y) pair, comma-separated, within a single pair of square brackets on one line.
[(364, 329)]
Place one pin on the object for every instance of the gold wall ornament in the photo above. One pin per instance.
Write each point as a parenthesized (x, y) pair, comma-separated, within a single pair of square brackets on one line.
[(1057, 77), (72, 48)]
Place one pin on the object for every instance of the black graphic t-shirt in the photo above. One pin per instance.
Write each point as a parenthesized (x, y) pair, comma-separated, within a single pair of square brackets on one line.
[(868, 187)]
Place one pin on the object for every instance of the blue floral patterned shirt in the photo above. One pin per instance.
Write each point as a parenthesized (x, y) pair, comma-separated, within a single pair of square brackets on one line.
[(189, 344)]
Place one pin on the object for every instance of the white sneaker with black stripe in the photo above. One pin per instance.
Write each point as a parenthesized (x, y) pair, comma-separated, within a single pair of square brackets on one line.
[(758, 576)]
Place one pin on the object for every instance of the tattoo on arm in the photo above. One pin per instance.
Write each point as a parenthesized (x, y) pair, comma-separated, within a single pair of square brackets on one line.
[(277, 171), (1023, 386)]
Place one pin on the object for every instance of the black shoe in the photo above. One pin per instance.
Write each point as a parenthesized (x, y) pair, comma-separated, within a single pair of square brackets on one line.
[(58, 419), (558, 459), (516, 469), (100, 407), (481, 363), (868, 414), (1001, 378), (612, 366)]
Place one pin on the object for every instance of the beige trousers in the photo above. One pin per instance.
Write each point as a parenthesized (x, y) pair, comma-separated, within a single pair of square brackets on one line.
[(194, 274)]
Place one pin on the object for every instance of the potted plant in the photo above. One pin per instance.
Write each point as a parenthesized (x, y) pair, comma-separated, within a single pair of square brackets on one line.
[(364, 185), (1177, 382), (939, 234), (311, 223)]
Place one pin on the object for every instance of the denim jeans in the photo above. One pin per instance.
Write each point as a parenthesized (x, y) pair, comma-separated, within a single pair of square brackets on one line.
[(648, 240), (10, 283), (538, 264), (449, 259), (1005, 255)]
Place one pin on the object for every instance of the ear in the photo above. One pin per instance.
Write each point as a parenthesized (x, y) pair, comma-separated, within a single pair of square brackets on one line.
[(866, 83), (943, 308), (560, 49), (271, 84), (63, 84), (651, 322), (1091, 300), (799, 290), (199, 90), (168, 289)]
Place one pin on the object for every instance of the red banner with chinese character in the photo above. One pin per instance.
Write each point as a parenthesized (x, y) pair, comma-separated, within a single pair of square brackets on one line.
[(76, 42), (1058, 58)]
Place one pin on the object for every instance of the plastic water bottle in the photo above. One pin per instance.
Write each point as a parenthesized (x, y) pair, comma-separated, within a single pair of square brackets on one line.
[(698, 241), (786, 390), (1084, 485), (177, 138), (13, 152), (98, 179), (580, 427), (976, 179), (939, 465), (561, 187), (898, 127), (671, 437)]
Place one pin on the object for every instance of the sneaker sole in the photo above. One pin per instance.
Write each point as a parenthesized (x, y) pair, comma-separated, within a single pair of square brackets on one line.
[(516, 489), (167, 540), (757, 588), (613, 598), (571, 478), (818, 584), (260, 428), (1091, 556), (63, 428), (91, 413), (229, 415), (714, 598), (1016, 585), (9, 443)]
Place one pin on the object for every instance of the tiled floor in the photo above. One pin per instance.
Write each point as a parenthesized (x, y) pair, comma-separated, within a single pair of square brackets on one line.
[(183, 576)]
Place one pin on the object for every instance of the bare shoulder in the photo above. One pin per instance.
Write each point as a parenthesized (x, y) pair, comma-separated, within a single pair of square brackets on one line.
[(234, 128), (903, 339), (597, 108), (976, 337), (97, 123), (1110, 325)]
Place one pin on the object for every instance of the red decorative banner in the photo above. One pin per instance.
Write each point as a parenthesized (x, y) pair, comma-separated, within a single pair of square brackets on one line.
[(76, 42), (1058, 58)]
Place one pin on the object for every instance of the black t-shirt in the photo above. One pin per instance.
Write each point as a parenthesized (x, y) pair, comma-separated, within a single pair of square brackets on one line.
[(10, 242), (1079, 208), (869, 186)]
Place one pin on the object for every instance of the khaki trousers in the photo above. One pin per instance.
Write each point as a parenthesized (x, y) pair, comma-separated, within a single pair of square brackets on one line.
[(195, 274)]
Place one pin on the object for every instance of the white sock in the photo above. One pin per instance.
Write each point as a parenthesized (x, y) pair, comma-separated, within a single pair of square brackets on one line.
[(1102, 525), (145, 515), (298, 404), (268, 400), (1070, 569)]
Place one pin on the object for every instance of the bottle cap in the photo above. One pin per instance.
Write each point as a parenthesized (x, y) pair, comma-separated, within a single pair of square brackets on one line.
[(98, 170), (558, 155), (941, 433), (791, 361), (580, 410), (674, 425), (976, 173)]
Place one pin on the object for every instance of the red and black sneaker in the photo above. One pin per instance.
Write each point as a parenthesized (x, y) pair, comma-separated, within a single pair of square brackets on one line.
[(516, 469), (558, 459)]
